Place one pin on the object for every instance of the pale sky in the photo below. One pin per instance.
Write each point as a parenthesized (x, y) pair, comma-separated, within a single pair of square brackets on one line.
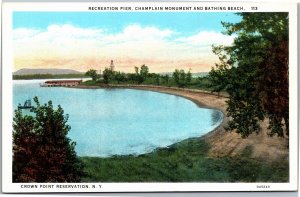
[(84, 40)]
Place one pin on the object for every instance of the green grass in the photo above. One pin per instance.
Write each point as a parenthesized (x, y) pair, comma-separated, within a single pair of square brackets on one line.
[(91, 83), (186, 161)]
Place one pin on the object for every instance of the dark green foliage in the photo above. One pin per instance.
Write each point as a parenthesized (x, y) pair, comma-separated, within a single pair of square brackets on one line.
[(138, 77), (120, 77), (141, 74), (136, 69), (186, 161), (156, 78), (42, 152), (166, 79), (254, 72), (144, 77), (131, 78), (188, 77), (202, 83), (176, 76), (93, 74), (91, 83), (181, 78), (108, 75), (144, 72)]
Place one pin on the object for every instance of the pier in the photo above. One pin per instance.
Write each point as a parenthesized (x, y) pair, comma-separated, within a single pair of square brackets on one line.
[(61, 83)]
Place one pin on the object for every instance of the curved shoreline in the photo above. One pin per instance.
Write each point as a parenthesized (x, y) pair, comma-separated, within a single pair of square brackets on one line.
[(200, 98), (222, 143), (190, 94)]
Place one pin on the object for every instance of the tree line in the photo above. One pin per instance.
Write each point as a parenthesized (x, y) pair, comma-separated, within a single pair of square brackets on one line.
[(142, 75)]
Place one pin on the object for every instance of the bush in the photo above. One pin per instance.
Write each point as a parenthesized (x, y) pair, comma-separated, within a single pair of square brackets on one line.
[(42, 152)]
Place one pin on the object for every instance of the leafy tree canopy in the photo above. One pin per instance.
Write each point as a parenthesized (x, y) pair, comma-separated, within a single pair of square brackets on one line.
[(42, 152), (254, 71), (181, 78), (144, 72), (108, 75), (93, 74)]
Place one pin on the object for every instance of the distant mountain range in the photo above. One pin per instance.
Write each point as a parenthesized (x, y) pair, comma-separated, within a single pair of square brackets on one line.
[(30, 71)]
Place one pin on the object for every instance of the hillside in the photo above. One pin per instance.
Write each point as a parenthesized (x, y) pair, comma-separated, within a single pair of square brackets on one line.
[(29, 71)]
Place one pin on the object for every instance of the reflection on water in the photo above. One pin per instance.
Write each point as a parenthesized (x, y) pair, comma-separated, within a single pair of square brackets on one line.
[(122, 121), (216, 117)]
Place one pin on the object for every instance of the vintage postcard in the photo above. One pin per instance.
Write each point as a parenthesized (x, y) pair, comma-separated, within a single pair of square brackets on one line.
[(147, 97)]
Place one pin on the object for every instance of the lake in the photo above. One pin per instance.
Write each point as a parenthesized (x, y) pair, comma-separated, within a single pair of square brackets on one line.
[(106, 122)]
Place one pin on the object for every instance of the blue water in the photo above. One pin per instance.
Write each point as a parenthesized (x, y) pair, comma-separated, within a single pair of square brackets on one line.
[(106, 122)]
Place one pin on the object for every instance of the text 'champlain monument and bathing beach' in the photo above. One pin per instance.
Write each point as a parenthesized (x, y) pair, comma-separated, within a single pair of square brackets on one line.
[(153, 8), (150, 100)]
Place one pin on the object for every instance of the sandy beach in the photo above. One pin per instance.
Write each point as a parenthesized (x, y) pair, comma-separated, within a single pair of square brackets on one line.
[(224, 143)]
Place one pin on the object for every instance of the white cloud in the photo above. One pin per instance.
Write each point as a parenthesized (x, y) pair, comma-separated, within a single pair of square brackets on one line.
[(134, 43), (205, 38), (21, 33), (135, 33)]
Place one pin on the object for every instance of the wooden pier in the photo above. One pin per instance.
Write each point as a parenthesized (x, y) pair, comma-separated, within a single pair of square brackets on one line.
[(61, 83)]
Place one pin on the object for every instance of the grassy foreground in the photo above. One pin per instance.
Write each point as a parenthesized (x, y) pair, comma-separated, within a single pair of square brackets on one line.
[(187, 161)]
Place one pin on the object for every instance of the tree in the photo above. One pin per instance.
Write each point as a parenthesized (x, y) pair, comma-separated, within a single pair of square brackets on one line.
[(182, 78), (166, 79), (179, 77), (254, 71), (144, 72), (93, 74), (157, 79), (188, 76), (130, 77), (108, 75), (176, 77), (42, 152), (136, 69), (120, 77)]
